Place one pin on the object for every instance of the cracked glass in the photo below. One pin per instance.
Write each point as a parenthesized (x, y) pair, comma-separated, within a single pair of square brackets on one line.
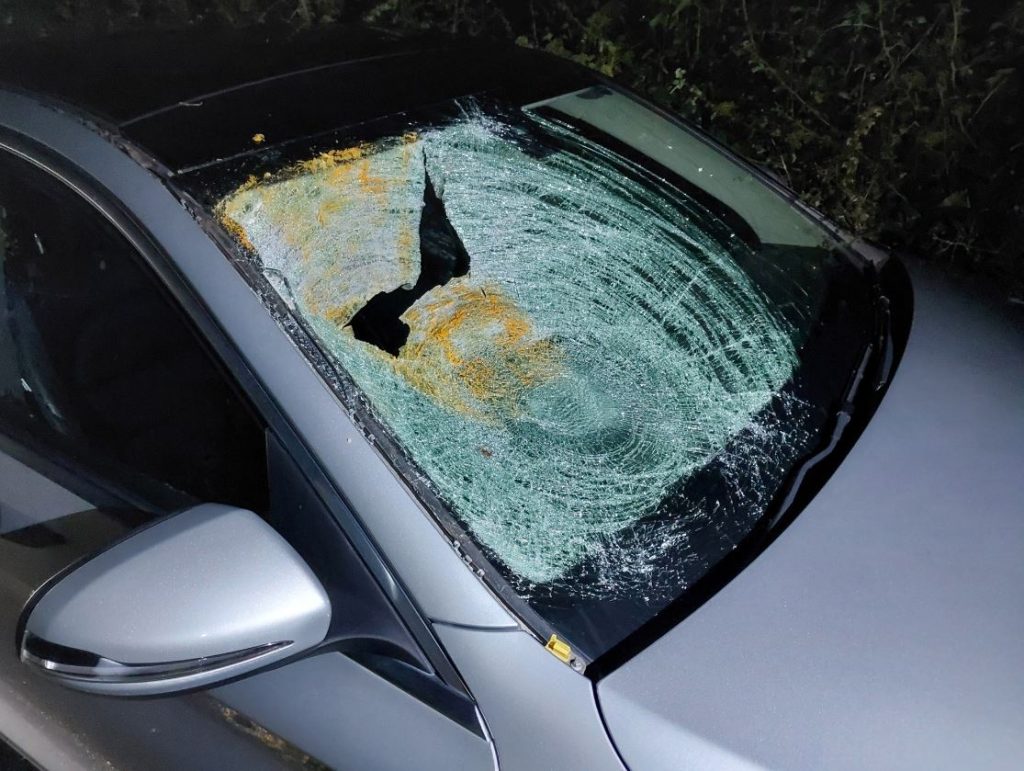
[(598, 344)]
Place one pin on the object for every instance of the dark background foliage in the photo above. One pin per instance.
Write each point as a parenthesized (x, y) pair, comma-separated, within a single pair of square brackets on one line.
[(901, 119)]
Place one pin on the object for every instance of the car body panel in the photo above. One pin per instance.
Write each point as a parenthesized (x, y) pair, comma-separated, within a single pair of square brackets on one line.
[(373, 724), (883, 628), (541, 714)]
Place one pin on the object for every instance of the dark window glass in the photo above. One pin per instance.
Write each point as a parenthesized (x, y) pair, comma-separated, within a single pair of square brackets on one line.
[(99, 371)]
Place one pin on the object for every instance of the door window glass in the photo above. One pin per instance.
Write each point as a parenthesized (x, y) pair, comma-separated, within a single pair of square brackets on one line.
[(99, 370)]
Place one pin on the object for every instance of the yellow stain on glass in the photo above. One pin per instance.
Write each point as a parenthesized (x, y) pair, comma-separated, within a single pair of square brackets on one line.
[(349, 215), (473, 350)]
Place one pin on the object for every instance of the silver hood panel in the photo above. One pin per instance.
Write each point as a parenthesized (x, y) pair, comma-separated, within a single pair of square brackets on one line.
[(884, 629)]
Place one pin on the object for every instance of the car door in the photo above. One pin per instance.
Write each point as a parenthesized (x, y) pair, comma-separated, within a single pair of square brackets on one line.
[(113, 412)]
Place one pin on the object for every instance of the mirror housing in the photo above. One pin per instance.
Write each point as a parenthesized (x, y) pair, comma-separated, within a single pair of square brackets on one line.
[(199, 597)]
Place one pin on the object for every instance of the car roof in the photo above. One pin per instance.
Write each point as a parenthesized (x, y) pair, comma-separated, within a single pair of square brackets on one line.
[(191, 97), (122, 77)]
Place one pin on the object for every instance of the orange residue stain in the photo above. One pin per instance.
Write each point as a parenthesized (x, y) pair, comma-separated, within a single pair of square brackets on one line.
[(370, 183), (342, 313), (329, 209), (237, 232), (472, 349), (329, 160), (409, 140)]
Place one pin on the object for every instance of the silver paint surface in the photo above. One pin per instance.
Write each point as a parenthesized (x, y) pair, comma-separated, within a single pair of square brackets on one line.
[(372, 724), (540, 713)]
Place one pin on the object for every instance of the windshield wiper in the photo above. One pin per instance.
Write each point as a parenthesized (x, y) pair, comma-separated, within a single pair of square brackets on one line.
[(880, 349), (843, 417), (884, 343)]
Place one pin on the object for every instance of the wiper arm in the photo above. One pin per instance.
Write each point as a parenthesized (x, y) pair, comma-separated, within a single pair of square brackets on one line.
[(881, 348), (842, 419), (886, 349)]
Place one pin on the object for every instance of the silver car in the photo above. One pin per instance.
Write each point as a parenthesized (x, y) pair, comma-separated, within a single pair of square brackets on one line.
[(376, 402)]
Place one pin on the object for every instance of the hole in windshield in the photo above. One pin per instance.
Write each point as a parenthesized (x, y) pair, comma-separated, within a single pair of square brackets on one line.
[(442, 257)]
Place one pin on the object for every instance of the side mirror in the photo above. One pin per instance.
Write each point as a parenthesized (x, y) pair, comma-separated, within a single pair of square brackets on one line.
[(202, 596)]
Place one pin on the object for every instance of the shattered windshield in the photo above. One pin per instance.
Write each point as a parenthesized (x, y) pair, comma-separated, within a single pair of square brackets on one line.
[(586, 333)]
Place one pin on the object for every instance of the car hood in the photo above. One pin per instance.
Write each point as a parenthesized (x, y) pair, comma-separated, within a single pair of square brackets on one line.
[(885, 627)]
